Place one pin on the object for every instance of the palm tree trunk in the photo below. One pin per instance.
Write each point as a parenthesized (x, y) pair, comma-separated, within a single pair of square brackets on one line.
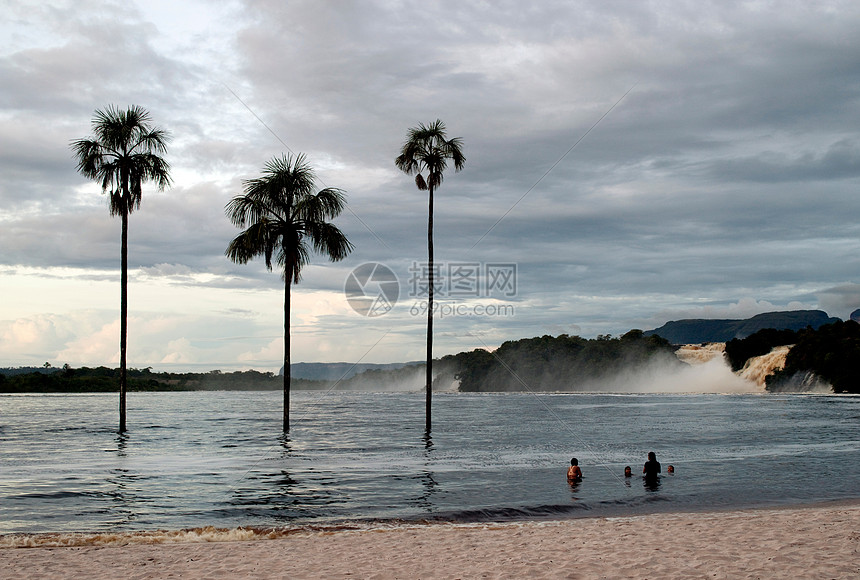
[(287, 355), (123, 322), (429, 385)]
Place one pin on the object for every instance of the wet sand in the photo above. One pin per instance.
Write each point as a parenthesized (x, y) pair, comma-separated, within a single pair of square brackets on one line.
[(821, 541)]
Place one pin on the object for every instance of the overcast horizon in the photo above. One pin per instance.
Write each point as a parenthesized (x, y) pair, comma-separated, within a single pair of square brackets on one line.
[(629, 163)]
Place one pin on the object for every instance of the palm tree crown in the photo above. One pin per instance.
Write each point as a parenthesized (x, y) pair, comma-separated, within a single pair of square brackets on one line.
[(284, 221), (285, 218), (427, 150), (124, 153)]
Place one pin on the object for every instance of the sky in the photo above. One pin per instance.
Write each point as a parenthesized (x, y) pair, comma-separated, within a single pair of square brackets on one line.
[(627, 163)]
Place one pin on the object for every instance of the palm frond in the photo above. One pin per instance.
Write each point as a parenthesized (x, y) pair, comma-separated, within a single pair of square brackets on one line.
[(329, 240), (284, 199), (125, 152), (427, 150)]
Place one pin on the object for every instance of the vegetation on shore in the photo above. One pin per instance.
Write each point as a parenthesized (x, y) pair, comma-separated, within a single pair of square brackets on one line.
[(829, 353), (562, 363), (540, 363), (104, 380), (546, 363)]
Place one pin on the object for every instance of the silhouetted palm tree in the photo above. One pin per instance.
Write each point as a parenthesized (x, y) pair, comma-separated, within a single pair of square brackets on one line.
[(125, 151), (284, 220), (427, 150)]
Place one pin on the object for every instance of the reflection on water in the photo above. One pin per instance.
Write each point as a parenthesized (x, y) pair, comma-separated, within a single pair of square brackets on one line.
[(121, 442), (574, 487), (359, 456), (651, 484)]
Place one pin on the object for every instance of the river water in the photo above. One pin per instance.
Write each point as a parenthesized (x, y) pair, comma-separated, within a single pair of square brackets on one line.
[(193, 459)]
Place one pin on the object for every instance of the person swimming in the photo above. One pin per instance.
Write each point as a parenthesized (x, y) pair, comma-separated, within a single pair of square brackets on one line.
[(574, 473), (670, 470), (651, 469), (628, 471)]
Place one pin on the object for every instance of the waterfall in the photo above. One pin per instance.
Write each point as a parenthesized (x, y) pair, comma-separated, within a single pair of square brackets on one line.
[(695, 354), (759, 367)]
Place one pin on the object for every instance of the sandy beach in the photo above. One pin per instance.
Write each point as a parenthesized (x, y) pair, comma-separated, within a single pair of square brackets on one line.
[(796, 542)]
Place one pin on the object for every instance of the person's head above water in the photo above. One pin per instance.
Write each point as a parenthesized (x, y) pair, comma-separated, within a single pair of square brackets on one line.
[(671, 469), (574, 461), (628, 472), (652, 456)]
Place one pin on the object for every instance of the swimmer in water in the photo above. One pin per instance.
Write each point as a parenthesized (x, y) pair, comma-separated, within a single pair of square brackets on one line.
[(574, 473), (651, 469)]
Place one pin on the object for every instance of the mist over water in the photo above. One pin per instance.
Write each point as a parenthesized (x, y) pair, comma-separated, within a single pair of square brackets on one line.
[(704, 370), (405, 380), (714, 376)]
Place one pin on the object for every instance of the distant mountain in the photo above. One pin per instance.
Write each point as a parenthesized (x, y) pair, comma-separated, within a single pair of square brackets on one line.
[(336, 371), (699, 330), (855, 316)]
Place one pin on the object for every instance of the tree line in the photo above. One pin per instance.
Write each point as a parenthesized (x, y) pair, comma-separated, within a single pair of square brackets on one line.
[(540, 363), (104, 380), (545, 363)]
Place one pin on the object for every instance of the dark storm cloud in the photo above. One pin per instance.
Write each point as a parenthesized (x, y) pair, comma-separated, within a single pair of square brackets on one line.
[(726, 180)]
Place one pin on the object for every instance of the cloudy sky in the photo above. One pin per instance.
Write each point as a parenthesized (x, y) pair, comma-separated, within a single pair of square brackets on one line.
[(637, 162)]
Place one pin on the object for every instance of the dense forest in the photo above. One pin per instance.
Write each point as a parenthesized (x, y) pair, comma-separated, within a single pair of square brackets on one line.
[(830, 353), (562, 363)]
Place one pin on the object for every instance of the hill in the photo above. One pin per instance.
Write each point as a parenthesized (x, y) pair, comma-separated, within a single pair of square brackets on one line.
[(699, 330)]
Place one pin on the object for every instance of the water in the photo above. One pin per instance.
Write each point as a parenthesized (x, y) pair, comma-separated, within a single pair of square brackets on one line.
[(218, 458)]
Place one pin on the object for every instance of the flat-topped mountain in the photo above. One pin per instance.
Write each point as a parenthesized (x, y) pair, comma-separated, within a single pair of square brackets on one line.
[(699, 330)]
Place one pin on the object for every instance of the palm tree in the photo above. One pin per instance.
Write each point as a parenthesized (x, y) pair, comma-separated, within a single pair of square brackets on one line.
[(284, 220), (427, 150), (125, 152)]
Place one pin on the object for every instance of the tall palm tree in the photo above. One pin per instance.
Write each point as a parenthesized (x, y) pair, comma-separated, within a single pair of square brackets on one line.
[(427, 150), (285, 219), (125, 152)]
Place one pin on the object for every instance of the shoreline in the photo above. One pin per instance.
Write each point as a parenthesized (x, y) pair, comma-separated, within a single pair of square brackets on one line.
[(822, 540), (215, 534)]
